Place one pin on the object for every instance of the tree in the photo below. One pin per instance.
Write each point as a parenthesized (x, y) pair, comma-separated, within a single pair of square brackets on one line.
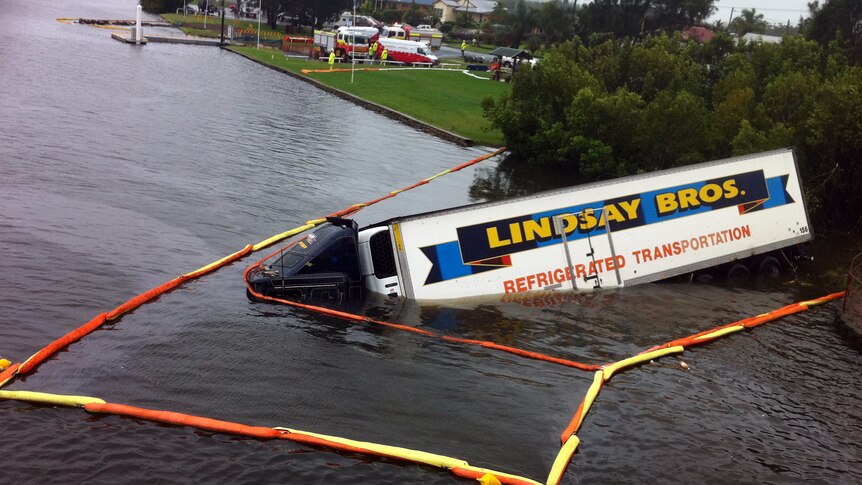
[(271, 9), (839, 20), (622, 18), (748, 21), (319, 10), (589, 112), (161, 6), (676, 14), (413, 16), (522, 21), (554, 21)]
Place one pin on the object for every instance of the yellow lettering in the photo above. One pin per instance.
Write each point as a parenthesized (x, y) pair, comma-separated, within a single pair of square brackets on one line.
[(588, 219), (494, 239), (515, 231), (614, 214), (602, 218), (571, 223), (540, 228), (666, 202), (688, 198), (710, 193), (730, 190), (631, 208)]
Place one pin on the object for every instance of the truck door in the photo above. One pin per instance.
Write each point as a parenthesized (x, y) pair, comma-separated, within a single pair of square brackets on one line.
[(587, 249)]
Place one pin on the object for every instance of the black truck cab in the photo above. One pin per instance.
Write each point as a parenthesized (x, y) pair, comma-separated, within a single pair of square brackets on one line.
[(322, 267)]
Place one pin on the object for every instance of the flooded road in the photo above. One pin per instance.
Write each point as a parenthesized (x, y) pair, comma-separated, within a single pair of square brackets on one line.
[(122, 167)]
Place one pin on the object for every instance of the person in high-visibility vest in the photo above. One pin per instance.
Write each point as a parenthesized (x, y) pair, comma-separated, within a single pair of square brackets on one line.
[(331, 59), (384, 56), (372, 51), (463, 48)]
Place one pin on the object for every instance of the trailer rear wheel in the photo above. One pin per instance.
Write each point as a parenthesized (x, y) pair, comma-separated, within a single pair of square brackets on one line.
[(769, 267), (738, 274)]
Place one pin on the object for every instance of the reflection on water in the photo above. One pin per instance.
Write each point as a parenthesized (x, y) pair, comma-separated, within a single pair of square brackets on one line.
[(121, 167), (513, 178)]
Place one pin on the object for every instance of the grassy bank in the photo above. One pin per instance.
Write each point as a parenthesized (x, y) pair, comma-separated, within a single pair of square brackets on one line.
[(450, 100), (194, 25)]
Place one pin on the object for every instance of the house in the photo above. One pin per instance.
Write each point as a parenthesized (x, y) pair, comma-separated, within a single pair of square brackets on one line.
[(698, 34), (766, 39), (478, 10), (402, 4)]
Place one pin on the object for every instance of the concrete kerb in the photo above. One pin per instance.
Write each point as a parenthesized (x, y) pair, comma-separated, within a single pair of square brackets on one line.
[(396, 115)]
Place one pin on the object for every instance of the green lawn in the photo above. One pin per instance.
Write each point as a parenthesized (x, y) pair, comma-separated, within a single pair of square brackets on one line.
[(194, 25), (448, 99), (470, 47)]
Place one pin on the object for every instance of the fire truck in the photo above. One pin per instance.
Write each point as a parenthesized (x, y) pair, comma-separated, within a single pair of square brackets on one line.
[(345, 42)]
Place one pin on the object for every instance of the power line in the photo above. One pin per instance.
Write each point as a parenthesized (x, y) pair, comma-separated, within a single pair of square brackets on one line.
[(767, 9)]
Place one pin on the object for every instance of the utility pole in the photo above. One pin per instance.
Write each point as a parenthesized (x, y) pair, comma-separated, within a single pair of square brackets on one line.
[(222, 22), (730, 19)]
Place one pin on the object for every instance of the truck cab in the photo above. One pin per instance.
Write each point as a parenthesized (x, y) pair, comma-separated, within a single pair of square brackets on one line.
[(333, 264), (323, 266)]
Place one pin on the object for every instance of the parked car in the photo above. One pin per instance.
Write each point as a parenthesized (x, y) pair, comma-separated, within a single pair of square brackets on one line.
[(509, 62), (190, 10)]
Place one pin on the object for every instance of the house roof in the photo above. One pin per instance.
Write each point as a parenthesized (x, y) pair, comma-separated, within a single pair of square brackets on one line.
[(767, 39), (479, 6), (509, 52), (700, 34), (421, 3)]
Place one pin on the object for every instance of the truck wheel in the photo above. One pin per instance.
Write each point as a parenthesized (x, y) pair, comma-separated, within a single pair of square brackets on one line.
[(738, 274), (769, 267)]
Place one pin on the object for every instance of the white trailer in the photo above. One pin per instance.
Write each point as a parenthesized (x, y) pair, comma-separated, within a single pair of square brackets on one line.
[(432, 37), (616, 233)]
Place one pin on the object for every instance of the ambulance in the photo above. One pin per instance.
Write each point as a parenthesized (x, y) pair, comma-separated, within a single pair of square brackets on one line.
[(737, 216), (406, 51)]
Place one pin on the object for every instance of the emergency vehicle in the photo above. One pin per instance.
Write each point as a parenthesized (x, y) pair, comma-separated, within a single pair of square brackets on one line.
[(406, 51), (432, 37), (740, 215), (345, 42), (396, 31)]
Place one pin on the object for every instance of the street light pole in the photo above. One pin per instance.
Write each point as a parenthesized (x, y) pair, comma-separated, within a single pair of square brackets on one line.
[(222, 22), (353, 44)]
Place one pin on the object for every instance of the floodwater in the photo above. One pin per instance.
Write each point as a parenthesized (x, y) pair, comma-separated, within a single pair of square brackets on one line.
[(122, 166)]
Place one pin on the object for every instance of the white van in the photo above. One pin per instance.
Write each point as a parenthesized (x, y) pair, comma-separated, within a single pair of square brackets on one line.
[(406, 51)]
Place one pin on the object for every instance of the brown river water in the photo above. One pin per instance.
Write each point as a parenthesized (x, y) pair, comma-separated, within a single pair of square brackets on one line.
[(122, 167)]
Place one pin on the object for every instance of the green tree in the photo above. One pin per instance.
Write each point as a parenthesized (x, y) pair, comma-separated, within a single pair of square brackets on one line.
[(605, 127), (837, 20), (676, 14), (533, 117), (674, 131), (522, 20), (554, 20), (622, 106), (748, 21), (413, 16), (161, 6), (622, 18)]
